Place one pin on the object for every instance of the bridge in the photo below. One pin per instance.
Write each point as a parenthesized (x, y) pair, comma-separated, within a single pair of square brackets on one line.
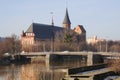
[(90, 55), (69, 53)]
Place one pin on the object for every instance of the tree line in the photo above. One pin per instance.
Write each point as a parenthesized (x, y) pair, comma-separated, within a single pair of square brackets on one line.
[(69, 42), (10, 45)]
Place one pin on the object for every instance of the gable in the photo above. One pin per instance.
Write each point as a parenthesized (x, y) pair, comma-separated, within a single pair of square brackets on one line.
[(79, 29)]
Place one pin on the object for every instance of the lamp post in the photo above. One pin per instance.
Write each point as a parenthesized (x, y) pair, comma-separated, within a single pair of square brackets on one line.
[(100, 46), (43, 47), (106, 46), (106, 49), (51, 44)]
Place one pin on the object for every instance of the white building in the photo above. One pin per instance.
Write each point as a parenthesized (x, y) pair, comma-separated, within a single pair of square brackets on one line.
[(94, 40)]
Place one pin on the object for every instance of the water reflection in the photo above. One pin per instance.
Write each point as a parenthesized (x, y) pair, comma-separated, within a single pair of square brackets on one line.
[(38, 70), (29, 72), (9, 73)]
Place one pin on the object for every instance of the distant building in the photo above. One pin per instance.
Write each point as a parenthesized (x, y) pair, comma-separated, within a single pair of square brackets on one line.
[(39, 32), (94, 40)]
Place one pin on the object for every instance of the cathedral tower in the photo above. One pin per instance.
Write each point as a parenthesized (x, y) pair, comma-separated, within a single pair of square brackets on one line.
[(66, 21)]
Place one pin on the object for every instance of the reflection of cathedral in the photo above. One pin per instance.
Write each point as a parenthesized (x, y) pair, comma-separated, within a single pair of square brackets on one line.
[(37, 31), (29, 72)]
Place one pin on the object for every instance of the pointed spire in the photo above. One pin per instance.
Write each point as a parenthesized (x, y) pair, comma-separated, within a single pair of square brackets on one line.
[(66, 18), (66, 21), (52, 19)]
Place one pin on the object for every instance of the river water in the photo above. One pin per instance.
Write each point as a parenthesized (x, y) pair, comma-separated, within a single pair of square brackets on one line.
[(28, 72), (38, 70)]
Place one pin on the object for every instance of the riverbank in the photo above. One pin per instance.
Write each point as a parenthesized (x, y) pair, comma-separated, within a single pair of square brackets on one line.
[(6, 60)]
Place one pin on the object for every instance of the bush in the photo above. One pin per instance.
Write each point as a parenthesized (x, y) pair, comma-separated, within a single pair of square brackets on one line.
[(115, 65)]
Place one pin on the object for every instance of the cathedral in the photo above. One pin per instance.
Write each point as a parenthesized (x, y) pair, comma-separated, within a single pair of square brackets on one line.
[(40, 32)]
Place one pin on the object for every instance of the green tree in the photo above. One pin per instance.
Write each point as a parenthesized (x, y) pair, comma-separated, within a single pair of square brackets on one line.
[(68, 38)]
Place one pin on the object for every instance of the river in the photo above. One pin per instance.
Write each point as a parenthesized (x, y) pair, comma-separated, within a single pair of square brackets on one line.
[(37, 70), (28, 72)]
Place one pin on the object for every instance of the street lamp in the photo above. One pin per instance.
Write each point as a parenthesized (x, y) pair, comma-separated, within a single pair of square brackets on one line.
[(43, 47), (100, 46), (106, 46)]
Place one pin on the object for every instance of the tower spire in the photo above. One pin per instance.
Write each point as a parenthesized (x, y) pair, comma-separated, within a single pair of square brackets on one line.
[(52, 19), (66, 21)]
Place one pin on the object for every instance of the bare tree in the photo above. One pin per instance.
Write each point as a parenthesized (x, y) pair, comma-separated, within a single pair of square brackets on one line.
[(115, 65), (10, 45)]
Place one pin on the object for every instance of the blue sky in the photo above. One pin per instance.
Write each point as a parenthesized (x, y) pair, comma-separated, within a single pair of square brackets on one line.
[(99, 17)]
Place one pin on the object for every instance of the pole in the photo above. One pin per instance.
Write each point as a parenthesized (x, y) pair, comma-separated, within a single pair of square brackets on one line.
[(51, 45), (106, 46), (43, 47), (100, 46)]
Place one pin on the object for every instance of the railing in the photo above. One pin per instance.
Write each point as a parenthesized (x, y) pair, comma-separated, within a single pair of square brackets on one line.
[(86, 68)]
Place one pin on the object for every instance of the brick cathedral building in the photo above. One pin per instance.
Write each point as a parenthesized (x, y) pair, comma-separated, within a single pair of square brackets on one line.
[(38, 32)]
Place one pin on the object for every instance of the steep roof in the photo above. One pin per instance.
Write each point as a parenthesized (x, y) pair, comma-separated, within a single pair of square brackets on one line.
[(66, 18), (82, 28), (43, 31)]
